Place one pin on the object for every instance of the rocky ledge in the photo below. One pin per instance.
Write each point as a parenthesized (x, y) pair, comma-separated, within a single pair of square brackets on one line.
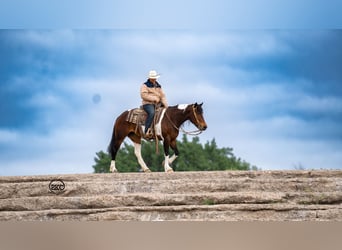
[(204, 196)]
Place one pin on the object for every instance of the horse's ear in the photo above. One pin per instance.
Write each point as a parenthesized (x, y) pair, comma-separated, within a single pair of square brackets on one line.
[(195, 105), (200, 104)]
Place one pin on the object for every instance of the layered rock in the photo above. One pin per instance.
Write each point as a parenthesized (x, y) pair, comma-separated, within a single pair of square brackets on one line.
[(216, 196)]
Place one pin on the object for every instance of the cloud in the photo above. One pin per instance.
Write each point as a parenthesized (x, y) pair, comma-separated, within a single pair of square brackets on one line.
[(272, 114), (321, 105), (7, 136)]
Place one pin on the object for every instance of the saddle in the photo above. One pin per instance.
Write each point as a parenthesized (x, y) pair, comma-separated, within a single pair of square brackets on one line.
[(138, 116)]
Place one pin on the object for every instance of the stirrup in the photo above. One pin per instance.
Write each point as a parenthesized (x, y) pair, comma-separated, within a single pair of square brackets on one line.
[(149, 134)]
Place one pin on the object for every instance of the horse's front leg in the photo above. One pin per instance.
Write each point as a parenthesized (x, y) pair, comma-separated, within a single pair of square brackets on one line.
[(137, 151), (167, 167), (112, 167), (173, 145)]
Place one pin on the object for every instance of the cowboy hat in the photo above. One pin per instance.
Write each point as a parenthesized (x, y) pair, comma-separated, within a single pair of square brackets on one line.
[(153, 74)]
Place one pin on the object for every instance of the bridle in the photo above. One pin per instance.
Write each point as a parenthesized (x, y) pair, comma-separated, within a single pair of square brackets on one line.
[(195, 132), (194, 111)]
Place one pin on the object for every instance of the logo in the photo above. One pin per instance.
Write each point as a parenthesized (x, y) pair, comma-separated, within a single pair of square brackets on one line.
[(57, 186)]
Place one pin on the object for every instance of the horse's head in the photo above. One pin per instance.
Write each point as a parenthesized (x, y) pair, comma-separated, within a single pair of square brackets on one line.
[(196, 116)]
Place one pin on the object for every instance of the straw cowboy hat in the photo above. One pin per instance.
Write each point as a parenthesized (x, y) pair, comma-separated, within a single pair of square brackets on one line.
[(153, 74)]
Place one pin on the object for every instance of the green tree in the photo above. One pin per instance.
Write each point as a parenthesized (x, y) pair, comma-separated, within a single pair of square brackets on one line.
[(102, 161), (196, 157), (193, 157)]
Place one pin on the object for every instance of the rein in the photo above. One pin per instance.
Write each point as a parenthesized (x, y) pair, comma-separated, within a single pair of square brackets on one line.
[(193, 133)]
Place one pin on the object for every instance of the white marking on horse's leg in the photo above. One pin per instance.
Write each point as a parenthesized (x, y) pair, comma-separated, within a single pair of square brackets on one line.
[(112, 168), (166, 164), (174, 157), (137, 151)]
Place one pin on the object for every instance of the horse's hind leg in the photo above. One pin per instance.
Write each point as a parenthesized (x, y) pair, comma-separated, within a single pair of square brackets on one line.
[(137, 151), (114, 147), (117, 138)]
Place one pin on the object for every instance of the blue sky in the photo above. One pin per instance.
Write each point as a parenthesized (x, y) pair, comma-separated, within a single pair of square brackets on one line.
[(147, 14), (272, 91)]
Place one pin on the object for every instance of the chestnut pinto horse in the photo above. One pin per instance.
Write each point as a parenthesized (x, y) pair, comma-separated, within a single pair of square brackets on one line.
[(170, 122)]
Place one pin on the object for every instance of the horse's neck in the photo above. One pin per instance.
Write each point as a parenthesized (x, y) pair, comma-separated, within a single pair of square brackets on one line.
[(178, 116)]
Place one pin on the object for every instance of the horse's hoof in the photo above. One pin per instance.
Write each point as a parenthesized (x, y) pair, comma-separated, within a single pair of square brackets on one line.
[(147, 170), (169, 170), (113, 170)]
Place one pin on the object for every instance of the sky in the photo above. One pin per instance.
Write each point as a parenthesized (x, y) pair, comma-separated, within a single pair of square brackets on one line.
[(154, 14), (272, 93)]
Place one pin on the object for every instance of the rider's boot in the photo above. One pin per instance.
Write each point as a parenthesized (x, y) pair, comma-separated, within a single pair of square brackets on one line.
[(149, 134)]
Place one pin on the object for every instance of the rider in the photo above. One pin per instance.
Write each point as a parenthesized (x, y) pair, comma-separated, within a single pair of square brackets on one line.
[(152, 94)]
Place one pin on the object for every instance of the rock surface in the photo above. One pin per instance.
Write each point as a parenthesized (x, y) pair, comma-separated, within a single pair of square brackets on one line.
[(205, 196)]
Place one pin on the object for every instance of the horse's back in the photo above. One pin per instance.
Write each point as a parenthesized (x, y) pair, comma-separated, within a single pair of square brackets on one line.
[(136, 116)]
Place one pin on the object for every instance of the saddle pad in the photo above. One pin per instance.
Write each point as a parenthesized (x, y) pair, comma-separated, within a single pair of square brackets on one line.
[(136, 116)]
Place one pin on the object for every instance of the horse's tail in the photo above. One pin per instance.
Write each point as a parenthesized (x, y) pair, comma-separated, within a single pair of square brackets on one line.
[(111, 147), (120, 131)]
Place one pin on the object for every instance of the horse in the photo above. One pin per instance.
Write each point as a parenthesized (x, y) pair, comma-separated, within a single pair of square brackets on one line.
[(171, 120)]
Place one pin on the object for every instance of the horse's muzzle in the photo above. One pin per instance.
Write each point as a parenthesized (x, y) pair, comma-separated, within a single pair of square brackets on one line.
[(202, 128)]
